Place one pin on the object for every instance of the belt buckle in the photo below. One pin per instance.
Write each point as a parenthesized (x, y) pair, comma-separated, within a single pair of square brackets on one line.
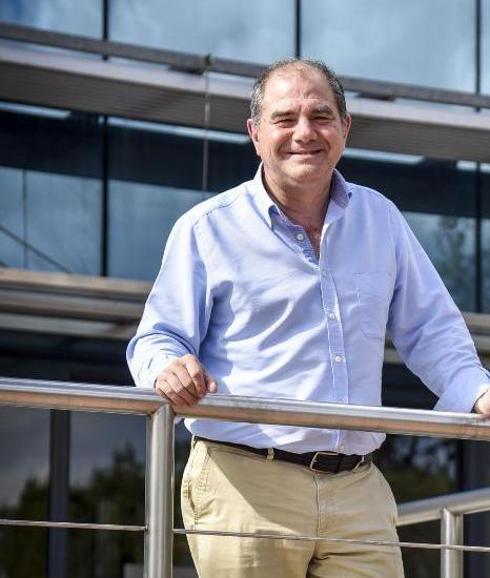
[(314, 459), (359, 463)]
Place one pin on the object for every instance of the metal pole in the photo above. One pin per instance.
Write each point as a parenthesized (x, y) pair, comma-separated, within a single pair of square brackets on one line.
[(159, 494), (451, 534)]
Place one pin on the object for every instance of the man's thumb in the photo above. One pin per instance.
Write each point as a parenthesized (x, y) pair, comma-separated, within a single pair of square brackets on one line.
[(211, 384)]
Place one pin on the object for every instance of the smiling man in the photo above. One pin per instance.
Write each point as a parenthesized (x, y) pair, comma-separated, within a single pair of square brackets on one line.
[(284, 287)]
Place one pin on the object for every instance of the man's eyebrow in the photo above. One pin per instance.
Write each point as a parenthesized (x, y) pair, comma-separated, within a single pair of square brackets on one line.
[(323, 108), (320, 109), (281, 113)]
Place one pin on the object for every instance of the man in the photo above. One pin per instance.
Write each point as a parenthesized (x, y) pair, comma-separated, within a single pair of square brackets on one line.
[(284, 287)]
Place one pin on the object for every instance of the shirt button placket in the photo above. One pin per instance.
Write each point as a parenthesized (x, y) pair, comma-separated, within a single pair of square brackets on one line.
[(335, 341)]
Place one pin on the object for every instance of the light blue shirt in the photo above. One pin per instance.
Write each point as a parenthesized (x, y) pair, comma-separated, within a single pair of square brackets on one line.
[(241, 287)]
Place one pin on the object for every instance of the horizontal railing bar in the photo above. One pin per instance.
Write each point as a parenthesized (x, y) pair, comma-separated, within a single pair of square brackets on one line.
[(349, 417), (78, 397), (201, 63), (72, 525), (418, 545), (82, 397), (429, 509)]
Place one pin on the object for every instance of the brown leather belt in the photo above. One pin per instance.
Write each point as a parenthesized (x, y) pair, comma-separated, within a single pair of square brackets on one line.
[(324, 462)]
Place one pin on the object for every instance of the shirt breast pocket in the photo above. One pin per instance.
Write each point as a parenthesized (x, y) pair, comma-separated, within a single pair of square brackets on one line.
[(374, 292)]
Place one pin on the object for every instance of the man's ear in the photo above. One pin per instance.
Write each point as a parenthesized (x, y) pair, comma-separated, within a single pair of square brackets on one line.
[(253, 134), (346, 124)]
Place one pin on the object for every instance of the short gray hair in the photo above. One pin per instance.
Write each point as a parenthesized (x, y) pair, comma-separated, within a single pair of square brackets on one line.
[(259, 86)]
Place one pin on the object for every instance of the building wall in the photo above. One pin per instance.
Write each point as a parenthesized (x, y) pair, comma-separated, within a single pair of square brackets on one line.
[(98, 195)]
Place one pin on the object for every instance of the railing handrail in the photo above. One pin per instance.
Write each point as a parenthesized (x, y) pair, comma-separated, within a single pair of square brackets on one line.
[(160, 444), (430, 509), (84, 397)]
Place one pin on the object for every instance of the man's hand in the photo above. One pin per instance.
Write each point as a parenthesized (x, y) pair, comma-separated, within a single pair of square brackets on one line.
[(184, 382), (482, 404)]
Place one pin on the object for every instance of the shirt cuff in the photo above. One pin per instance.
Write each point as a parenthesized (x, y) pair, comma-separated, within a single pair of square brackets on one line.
[(155, 367), (461, 396)]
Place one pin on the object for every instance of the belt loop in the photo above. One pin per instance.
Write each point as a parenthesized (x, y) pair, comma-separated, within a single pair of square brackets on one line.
[(339, 463), (270, 454)]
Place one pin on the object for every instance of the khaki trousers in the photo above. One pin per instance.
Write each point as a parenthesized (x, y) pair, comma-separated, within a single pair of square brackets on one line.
[(231, 490)]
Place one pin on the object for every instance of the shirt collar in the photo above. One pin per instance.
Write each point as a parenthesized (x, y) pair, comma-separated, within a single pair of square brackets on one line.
[(339, 193)]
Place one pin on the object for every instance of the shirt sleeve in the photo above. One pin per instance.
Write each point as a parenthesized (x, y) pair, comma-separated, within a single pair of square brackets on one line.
[(427, 328), (176, 314)]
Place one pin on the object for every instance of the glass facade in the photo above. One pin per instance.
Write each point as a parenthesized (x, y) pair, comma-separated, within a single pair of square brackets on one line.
[(24, 490), (98, 195), (393, 40), (107, 485), (50, 176), (485, 234), (256, 31), (485, 48), (84, 18)]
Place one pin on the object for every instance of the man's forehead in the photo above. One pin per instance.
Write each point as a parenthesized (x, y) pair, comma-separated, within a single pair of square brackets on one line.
[(293, 84), (287, 105)]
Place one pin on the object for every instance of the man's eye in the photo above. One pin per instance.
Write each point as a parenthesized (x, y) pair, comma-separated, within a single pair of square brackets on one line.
[(284, 122)]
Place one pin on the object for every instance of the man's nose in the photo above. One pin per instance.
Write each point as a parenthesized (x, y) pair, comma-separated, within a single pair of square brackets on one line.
[(304, 130)]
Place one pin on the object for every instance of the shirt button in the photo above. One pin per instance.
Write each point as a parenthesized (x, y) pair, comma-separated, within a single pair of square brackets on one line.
[(300, 237), (338, 358), (331, 315)]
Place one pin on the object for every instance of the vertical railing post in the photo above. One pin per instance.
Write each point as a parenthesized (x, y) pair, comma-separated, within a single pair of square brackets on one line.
[(451, 534), (159, 494)]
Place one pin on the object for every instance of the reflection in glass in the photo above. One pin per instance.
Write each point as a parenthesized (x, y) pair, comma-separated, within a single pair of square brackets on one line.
[(141, 218), (394, 40), (485, 47), (24, 459), (485, 237), (256, 31), (50, 206), (450, 244), (50, 222), (107, 485), (61, 15)]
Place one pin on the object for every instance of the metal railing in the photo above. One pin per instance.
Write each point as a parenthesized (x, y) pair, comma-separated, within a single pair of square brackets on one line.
[(158, 526), (450, 510)]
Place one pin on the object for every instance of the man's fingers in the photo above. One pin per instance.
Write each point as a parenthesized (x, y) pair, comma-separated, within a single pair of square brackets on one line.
[(184, 382), (211, 385), (196, 373), (172, 388)]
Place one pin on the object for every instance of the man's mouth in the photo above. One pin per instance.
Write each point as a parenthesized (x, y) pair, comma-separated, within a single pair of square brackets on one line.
[(306, 153)]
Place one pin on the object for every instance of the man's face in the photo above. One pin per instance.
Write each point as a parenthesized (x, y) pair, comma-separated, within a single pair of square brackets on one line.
[(300, 136)]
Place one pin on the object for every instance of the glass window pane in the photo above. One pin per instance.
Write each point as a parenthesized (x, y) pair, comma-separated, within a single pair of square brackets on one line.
[(431, 43), (107, 485), (155, 176), (24, 458), (255, 31), (485, 238), (60, 15), (450, 243), (485, 48), (141, 218), (64, 222), (51, 202)]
